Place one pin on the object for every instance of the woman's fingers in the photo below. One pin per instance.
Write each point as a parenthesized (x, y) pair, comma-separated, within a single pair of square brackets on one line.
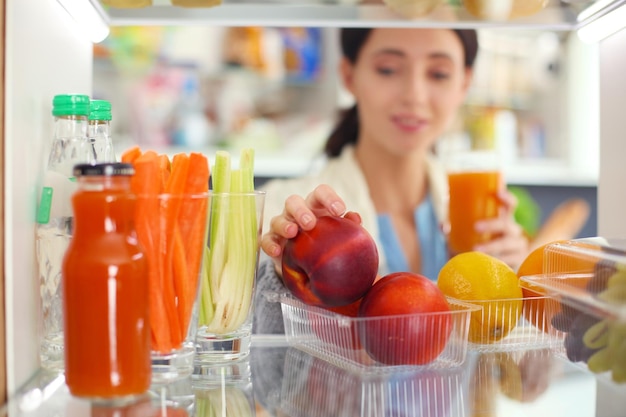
[(272, 245), (301, 213), (324, 200), (509, 243), (508, 202)]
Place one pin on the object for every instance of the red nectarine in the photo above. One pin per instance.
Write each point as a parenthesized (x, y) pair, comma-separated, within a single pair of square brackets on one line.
[(407, 321), (334, 331), (332, 265)]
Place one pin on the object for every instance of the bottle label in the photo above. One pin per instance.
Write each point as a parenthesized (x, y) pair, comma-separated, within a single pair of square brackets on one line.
[(43, 212)]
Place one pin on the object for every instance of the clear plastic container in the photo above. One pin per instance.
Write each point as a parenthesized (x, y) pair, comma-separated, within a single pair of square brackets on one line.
[(313, 387), (587, 277), (396, 341), (513, 324)]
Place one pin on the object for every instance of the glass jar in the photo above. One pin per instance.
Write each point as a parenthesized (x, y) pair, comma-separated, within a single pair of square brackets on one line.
[(105, 289)]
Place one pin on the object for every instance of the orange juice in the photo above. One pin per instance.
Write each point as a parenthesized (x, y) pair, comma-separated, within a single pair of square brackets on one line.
[(473, 196)]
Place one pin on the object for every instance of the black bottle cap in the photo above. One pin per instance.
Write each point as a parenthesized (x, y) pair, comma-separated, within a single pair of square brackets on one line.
[(108, 169)]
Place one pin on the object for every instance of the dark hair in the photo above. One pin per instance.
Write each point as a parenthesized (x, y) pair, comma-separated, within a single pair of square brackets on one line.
[(352, 40)]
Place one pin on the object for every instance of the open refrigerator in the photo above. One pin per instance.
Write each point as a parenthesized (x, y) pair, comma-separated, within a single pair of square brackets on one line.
[(48, 49)]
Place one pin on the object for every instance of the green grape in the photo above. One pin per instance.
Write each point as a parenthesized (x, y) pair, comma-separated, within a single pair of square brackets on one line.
[(615, 295), (597, 336), (617, 347), (601, 361), (618, 369), (617, 279)]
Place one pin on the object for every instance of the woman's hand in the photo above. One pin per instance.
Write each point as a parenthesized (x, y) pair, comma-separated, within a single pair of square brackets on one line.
[(510, 244), (301, 213)]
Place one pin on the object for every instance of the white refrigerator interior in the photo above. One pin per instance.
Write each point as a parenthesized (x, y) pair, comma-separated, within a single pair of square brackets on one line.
[(45, 55), (611, 190)]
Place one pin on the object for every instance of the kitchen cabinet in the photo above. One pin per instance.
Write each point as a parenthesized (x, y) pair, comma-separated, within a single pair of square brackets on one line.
[(48, 51)]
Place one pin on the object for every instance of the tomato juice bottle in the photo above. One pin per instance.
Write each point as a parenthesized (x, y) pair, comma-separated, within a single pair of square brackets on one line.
[(105, 289)]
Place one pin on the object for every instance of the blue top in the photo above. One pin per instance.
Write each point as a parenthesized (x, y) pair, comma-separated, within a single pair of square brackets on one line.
[(431, 239)]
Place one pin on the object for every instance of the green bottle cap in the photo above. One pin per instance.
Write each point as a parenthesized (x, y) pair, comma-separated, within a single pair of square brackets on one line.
[(70, 105), (100, 110)]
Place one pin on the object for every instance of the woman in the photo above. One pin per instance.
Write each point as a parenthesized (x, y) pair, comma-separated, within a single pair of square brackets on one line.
[(408, 85)]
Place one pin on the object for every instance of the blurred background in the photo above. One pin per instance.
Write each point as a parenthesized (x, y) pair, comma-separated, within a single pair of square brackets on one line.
[(276, 89)]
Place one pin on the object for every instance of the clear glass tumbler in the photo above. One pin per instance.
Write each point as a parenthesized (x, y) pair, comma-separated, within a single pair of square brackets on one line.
[(227, 283), (172, 229)]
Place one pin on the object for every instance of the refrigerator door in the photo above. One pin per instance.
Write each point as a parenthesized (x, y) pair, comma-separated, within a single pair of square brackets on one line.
[(45, 54)]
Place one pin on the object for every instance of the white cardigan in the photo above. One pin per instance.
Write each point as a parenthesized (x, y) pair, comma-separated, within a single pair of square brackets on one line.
[(346, 178)]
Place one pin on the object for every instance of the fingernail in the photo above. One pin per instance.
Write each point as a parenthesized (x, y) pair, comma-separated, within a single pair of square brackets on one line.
[(338, 208), (275, 249), (306, 219), (290, 229)]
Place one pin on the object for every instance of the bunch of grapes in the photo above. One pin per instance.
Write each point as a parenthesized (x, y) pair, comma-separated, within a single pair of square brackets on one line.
[(599, 342), (608, 336)]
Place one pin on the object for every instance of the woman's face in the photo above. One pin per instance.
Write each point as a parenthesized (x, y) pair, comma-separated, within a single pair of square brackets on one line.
[(408, 84)]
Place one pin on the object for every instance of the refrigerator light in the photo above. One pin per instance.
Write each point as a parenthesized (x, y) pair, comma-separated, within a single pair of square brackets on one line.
[(603, 26), (592, 9), (89, 16)]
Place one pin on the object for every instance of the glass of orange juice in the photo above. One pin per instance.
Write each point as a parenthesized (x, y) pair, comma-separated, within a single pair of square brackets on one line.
[(474, 180)]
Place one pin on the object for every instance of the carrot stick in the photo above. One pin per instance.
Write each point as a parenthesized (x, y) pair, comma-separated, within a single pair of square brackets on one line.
[(174, 187), (131, 154), (181, 275), (144, 183), (165, 168), (193, 222)]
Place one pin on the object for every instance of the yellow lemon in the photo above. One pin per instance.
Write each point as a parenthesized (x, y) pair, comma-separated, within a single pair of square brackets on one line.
[(490, 283)]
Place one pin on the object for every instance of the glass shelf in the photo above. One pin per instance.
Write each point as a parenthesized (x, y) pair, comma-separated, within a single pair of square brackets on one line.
[(556, 15), (278, 380)]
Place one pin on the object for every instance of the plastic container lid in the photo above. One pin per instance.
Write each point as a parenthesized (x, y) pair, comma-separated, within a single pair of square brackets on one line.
[(108, 169), (100, 110), (70, 105)]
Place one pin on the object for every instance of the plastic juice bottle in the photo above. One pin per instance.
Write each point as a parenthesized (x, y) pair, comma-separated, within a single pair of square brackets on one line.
[(99, 132), (473, 196), (105, 289), (54, 217)]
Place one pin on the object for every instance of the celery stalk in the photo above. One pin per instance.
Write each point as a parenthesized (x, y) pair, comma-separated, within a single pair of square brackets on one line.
[(233, 247), (206, 301), (229, 401), (249, 230), (210, 284)]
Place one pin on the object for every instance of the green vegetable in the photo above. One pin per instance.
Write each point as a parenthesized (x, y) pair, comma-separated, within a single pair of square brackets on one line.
[(231, 259)]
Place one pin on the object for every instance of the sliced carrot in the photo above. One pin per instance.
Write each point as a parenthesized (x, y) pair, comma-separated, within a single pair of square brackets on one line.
[(193, 224), (173, 232), (182, 283), (174, 187), (147, 218), (198, 178), (166, 259), (178, 176), (131, 154), (165, 167)]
